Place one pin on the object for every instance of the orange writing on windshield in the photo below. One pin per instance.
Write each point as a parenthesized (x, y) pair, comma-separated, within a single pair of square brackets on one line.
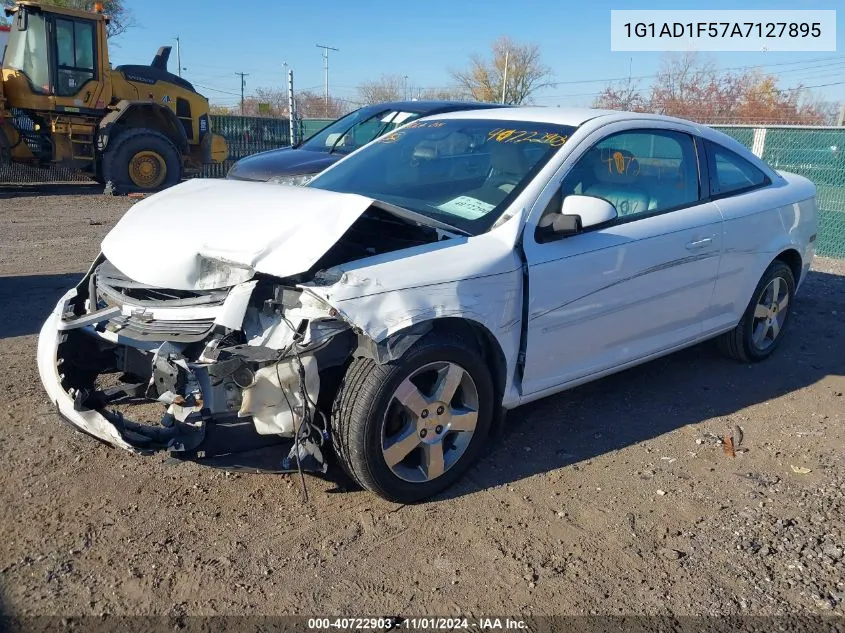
[(502, 135)]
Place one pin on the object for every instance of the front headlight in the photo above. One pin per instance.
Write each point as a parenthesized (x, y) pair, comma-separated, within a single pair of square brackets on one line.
[(218, 272), (296, 180)]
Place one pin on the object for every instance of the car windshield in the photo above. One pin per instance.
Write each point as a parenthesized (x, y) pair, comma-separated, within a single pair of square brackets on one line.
[(356, 129), (461, 172)]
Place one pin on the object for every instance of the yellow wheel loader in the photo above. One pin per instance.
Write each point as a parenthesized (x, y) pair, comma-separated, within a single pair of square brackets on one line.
[(62, 104)]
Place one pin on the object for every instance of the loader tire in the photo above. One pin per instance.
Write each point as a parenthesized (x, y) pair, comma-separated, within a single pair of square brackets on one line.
[(141, 161)]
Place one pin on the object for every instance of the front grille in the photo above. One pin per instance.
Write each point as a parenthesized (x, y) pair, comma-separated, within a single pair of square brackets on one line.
[(138, 328), (113, 288)]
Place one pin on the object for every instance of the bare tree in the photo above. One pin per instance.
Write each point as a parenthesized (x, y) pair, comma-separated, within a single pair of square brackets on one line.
[(385, 88), (691, 87), (485, 78), (276, 98), (216, 108), (444, 94), (624, 95), (310, 105), (120, 17)]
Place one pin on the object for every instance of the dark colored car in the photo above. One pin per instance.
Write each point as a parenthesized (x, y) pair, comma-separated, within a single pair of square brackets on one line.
[(298, 164)]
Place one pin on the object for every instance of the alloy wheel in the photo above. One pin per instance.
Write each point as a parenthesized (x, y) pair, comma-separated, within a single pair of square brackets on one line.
[(429, 422)]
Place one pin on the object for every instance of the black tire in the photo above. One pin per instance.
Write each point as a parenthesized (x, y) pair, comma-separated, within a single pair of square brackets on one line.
[(129, 144), (362, 401), (739, 343)]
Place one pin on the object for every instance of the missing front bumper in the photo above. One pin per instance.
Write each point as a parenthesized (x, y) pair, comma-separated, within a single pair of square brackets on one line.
[(207, 413)]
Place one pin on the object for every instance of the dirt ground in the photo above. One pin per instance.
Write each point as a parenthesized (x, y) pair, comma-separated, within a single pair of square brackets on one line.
[(613, 498)]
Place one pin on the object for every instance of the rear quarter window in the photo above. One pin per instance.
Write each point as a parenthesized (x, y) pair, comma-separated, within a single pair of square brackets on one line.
[(730, 173)]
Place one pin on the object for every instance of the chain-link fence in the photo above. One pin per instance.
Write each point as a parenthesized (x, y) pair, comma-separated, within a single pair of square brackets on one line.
[(244, 135), (815, 152), (248, 135)]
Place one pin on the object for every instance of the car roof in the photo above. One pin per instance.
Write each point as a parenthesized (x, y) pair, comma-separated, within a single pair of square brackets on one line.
[(432, 107), (536, 114)]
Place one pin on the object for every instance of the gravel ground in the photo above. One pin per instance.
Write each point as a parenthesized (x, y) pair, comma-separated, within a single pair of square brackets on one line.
[(613, 498)]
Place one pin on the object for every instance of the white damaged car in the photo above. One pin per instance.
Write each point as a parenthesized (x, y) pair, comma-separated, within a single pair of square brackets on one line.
[(457, 267)]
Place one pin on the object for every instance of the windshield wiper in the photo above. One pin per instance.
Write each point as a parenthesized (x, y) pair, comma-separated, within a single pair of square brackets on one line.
[(419, 218)]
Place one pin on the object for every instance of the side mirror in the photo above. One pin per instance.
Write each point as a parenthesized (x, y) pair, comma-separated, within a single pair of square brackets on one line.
[(590, 210), (576, 214)]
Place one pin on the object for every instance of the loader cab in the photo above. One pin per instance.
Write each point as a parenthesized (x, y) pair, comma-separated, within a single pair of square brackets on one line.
[(55, 54)]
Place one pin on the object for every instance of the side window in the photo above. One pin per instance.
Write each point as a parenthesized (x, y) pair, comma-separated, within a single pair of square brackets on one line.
[(730, 173), (641, 172), (365, 131), (74, 55)]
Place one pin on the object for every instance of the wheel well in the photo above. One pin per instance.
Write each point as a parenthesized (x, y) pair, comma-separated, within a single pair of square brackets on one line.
[(484, 340), (151, 116), (792, 258)]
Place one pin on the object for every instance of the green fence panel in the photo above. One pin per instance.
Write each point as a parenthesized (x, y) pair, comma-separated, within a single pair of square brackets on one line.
[(815, 153), (309, 127), (744, 135)]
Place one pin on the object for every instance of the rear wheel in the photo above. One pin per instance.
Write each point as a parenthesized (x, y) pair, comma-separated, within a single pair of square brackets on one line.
[(761, 328), (141, 161), (410, 428)]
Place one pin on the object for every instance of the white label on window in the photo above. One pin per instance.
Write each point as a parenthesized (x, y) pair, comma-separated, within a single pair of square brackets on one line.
[(466, 207)]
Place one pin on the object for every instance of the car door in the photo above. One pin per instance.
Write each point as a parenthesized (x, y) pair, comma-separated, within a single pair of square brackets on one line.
[(634, 287)]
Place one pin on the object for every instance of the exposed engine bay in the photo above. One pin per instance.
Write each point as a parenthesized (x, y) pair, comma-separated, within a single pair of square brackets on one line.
[(232, 367)]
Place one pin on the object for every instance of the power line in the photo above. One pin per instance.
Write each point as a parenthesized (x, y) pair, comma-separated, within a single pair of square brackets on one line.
[(597, 94), (813, 65), (225, 92), (747, 67)]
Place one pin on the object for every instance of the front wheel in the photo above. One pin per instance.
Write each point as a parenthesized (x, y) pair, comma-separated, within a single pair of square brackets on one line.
[(410, 428), (761, 328)]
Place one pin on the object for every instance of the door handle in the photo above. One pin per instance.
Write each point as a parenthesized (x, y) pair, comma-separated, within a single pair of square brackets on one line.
[(697, 244)]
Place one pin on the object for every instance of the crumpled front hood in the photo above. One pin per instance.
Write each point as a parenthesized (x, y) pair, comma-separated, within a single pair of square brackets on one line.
[(213, 233)]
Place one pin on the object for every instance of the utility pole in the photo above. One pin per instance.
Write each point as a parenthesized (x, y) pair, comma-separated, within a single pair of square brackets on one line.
[(841, 120), (405, 91), (243, 77), (505, 82), (326, 50), (178, 56)]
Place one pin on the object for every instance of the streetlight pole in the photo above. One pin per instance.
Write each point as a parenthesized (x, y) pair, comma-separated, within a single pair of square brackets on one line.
[(505, 82), (326, 50), (179, 56)]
